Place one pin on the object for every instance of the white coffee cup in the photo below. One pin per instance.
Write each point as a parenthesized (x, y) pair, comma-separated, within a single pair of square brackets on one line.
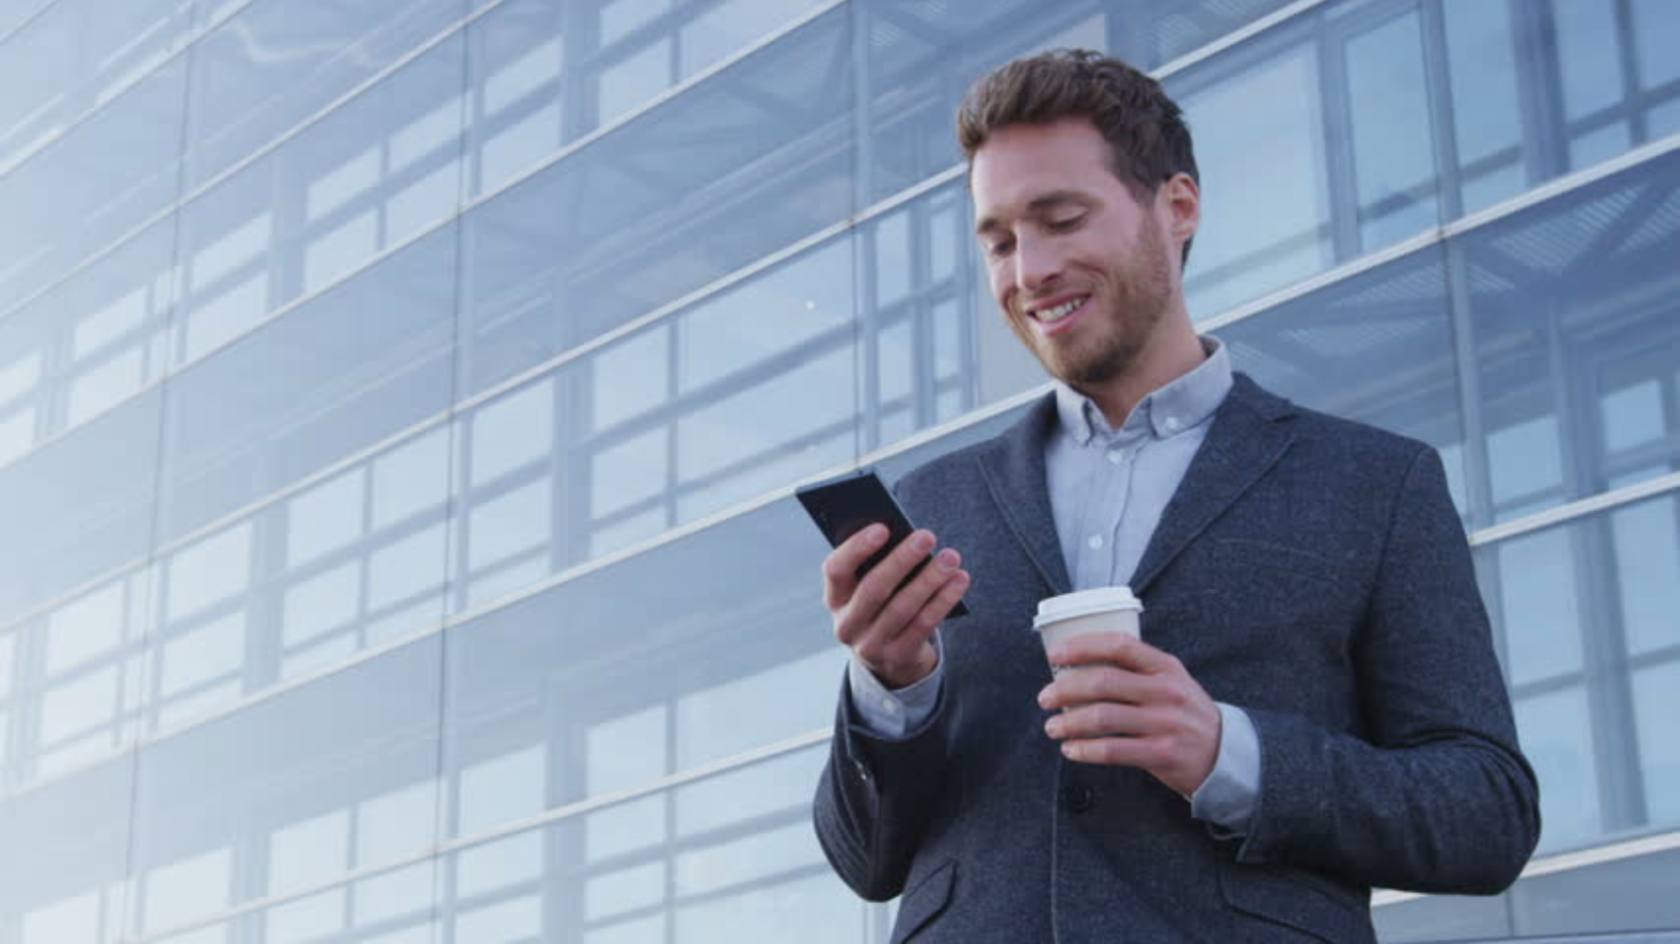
[(1103, 610)]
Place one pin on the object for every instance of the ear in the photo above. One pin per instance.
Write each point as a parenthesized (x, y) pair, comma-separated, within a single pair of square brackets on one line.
[(1178, 206)]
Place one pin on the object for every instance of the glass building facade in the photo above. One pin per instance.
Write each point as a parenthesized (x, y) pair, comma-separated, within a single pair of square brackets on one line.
[(400, 404)]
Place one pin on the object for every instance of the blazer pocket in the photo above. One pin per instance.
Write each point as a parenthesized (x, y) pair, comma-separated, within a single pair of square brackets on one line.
[(924, 902), (1299, 900)]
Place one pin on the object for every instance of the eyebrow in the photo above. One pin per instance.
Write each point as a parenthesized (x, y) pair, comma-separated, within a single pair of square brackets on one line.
[(1038, 206)]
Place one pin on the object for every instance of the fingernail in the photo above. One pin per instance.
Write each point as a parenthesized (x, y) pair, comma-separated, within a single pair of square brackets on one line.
[(947, 559), (1053, 727), (1044, 699), (924, 541)]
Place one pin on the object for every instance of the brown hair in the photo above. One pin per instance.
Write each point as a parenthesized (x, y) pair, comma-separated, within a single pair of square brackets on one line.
[(1148, 139)]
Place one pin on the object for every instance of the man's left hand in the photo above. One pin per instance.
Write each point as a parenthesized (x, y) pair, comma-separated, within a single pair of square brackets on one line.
[(1129, 704)]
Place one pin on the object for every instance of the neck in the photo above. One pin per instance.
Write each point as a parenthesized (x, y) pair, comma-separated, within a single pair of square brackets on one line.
[(1169, 356)]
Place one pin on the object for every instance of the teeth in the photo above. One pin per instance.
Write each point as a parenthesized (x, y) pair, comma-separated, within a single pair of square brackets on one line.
[(1059, 312)]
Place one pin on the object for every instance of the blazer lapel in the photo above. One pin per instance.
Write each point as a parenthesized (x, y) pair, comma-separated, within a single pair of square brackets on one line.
[(1245, 440), (1013, 467)]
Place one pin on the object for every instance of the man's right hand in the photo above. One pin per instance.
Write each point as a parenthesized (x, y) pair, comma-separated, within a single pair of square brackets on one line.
[(892, 633)]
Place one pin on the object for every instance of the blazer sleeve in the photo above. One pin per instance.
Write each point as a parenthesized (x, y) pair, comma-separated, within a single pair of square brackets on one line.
[(1437, 797), (876, 797)]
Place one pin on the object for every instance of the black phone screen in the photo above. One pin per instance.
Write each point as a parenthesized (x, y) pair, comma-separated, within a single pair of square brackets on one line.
[(844, 506)]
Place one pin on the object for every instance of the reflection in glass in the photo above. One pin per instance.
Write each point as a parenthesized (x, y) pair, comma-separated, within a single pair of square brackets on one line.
[(1576, 334), (350, 367), (291, 792), (651, 666), (1392, 148), (1376, 348), (1255, 239), (1557, 739), (734, 855), (376, 172), (79, 507), (1656, 703), (273, 65), (103, 179), (62, 879), (746, 165)]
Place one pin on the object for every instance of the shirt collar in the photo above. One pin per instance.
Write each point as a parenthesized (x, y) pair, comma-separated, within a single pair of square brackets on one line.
[(1175, 408)]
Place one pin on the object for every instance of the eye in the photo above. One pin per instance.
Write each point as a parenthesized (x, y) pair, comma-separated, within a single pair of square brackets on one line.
[(998, 248), (1066, 224)]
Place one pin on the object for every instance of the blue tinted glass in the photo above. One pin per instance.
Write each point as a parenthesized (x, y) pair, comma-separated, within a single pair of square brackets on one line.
[(1656, 703), (272, 65), (333, 777), (1335, 350), (1557, 739), (78, 507), (84, 347), (69, 885), (690, 192), (1540, 609), (378, 171), (328, 379), (1393, 148), (529, 731), (1256, 239), (1627, 894), (110, 174), (923, 54), (1582, 288)]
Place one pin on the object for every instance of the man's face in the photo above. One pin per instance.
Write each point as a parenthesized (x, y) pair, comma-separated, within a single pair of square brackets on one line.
[(1080, 268)]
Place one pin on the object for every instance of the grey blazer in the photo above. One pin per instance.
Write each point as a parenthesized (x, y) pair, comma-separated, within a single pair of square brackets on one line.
[(1310, 570)]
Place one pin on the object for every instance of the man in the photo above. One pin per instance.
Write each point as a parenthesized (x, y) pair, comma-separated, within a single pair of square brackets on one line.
[(1314, 707)]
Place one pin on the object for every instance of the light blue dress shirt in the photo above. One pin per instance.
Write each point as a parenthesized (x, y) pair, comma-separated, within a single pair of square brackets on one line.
[(1108, 489)]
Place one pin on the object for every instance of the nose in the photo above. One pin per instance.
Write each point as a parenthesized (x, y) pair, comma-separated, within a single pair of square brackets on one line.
[(1037, 265)]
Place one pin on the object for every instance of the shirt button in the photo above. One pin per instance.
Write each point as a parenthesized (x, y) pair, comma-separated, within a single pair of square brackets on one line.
[(1172, 424), (1094, 542), (1080, 797), (1116, 456), (889, 705)]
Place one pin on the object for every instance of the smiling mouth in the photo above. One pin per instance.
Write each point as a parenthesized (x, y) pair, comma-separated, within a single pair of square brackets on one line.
[(1056, 314)]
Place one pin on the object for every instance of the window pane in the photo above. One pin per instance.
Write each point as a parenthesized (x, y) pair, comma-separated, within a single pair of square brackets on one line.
[(283, 780), (104, 178), (377, 172), (624, 675), (1557, 739), (1339, 349), (1579, 287), (79, 507), (1267, 116), (274, 64), (1393, 148), (1487, 108), (744, 166), (69, 886), (347, 369)]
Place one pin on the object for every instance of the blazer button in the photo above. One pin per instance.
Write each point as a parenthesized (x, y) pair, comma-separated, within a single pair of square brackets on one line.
[(1079, 797)]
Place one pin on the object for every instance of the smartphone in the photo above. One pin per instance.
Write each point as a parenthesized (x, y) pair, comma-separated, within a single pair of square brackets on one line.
[(843, 506)]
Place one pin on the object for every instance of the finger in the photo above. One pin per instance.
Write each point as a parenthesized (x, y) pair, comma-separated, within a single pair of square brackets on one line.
[(876, 588), (1105, 719), (1144, 753), (949, 589), (906, 611), (1097, 682), (1120, 649), (840, 567)]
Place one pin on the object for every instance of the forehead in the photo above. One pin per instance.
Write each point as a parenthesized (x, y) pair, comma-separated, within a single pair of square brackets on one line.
[(1019, 164)]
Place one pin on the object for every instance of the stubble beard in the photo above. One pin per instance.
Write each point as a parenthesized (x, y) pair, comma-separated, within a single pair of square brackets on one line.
[(1142, 295)]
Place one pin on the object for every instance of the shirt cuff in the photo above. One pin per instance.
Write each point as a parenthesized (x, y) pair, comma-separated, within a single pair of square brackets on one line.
[(1226, 800), (889, 713)]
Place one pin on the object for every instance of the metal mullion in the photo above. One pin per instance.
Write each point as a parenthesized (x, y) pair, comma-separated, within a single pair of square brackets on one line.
[(1438, 81), (1330, 48)]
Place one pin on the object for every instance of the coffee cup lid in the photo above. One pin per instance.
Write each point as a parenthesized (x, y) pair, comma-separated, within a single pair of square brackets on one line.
[(1084, 603)]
